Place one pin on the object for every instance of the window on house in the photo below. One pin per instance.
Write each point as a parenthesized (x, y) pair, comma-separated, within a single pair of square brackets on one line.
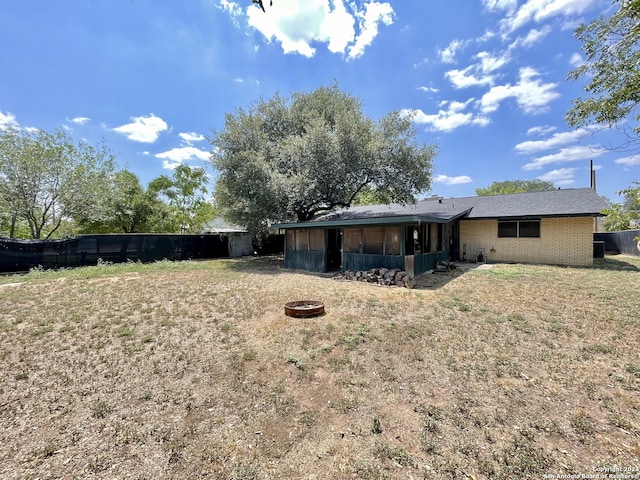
[(519, 229)]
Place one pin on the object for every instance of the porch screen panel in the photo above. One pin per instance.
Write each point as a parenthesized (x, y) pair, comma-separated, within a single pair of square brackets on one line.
[(302, 240), (291, 240), (316, 239), (373, 240), (351, 240), (392, 241)]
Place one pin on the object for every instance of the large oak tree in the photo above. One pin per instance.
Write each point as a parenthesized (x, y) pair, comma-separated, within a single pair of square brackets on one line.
[(292, 158)]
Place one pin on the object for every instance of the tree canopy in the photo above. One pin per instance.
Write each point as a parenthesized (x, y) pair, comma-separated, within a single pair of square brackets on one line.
[(515, 186), (292, 158), (626, 215), (611, 46), (46, 179)]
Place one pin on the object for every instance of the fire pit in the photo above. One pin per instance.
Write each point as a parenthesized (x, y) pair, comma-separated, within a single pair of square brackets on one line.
[(304, 308)]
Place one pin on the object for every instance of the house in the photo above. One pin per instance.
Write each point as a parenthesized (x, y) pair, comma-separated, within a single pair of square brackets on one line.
[(552, 227)]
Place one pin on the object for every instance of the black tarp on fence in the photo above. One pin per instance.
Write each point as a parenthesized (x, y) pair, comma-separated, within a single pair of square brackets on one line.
[(619, 242), (21, 255)]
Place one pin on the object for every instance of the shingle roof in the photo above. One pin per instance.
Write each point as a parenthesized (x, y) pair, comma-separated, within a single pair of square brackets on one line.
[(553, 203)]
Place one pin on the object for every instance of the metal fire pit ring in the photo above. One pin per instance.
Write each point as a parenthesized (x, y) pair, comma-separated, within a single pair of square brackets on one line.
[(304, 308)]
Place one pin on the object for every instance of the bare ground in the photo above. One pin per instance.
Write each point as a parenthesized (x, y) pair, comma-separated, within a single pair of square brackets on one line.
[(193, 371)]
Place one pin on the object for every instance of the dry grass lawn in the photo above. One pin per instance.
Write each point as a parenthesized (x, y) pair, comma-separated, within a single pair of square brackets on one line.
[(192, 370)]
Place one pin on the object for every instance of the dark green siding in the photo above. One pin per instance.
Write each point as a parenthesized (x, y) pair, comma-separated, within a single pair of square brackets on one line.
[(427, 261), (356, 261), (305, 260)]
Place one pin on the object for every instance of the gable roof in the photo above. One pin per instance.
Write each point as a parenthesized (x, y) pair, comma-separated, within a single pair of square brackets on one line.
[(554, 203)]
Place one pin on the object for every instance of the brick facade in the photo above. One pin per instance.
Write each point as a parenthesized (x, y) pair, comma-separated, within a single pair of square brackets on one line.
[(563, 241)]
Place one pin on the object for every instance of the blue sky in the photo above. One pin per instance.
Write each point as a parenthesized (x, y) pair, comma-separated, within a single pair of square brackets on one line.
[(486, 80)]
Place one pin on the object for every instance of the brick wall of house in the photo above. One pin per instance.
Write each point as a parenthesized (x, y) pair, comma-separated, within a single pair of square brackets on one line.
[(563, 241)]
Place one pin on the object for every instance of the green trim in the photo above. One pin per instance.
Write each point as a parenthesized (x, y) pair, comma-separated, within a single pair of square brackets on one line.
[(400, 220)]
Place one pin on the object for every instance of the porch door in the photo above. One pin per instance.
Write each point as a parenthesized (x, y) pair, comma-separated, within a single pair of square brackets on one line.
[(334, 249)]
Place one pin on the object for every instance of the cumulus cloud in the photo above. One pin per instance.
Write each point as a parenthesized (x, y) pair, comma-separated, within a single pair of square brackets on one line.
[(143, 129), (447, 120), (182, 154), (80, 120), (534, 36), (496, 5), (452, 180), (576, 60), (8, 120), (633, 160), (541, 130), (567, 154), (467, 78), (561, 176), (428, 89), (190, 137), (556, 140), (448, 54), (541, 10), (531, 94), (297, 25)]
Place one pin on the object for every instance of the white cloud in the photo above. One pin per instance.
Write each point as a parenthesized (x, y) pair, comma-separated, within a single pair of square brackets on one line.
[(555, 141), (452, 180), (576, 60), (567, 154), (143, 129), (489, 63), (182, 154), (450, 119), (190, 137), (466, 78), (541, 10), (80, 120), (8, 120), (233, 9), (428, 89), (534, 36), (633, 160), (374, 14), (297, 25), (531, 95), (495, 5), (541, 130), (448, 54), (561, 176)]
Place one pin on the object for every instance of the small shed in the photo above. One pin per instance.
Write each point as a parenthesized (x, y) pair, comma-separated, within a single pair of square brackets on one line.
[(240, 242)]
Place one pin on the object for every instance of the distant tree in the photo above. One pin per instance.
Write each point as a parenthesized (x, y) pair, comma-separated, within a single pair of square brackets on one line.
[(290, 159), (372, 196), (515, 186), (624, 216), (611, 46), (184, 194), (47, 179), (128, 209)]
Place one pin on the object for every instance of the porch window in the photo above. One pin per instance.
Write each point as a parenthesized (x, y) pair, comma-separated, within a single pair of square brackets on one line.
[(519, 229), (392, 241), (302, 240), (291, 240), (316, 239), (373, 240), (351, 240)]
